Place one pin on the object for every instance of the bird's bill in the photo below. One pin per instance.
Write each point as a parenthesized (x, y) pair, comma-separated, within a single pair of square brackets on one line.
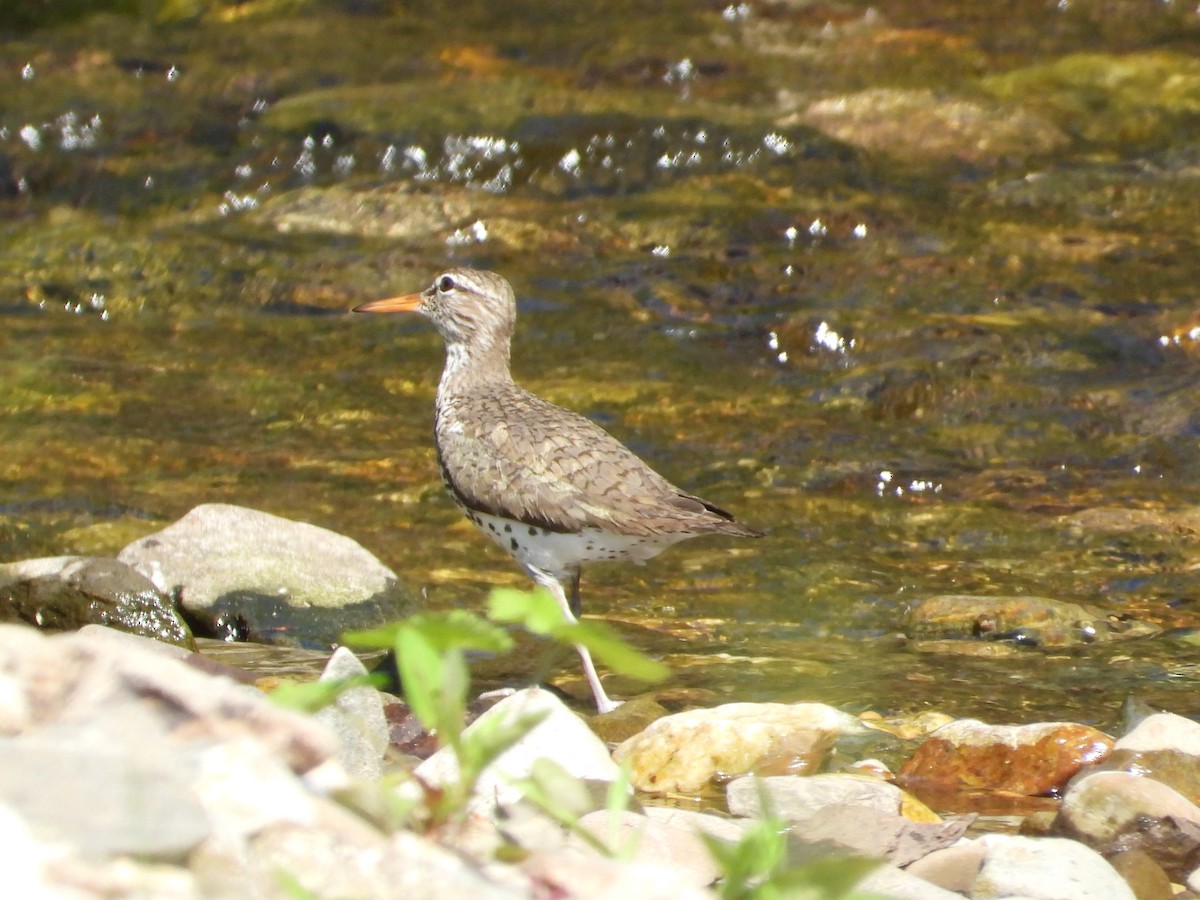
[(406, 303)]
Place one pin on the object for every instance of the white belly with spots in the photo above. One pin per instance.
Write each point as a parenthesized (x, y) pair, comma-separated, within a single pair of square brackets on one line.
[(555, 552)]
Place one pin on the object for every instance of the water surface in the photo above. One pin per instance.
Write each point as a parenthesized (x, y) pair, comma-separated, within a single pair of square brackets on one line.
[(908, 286)]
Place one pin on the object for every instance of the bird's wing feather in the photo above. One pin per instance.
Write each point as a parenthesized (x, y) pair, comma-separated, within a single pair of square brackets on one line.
[(567, 471)]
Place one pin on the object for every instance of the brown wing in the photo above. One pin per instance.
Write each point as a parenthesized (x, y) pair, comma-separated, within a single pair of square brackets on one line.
[(510, 453)]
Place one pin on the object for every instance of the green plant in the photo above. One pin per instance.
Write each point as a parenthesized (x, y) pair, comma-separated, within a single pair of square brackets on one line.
[(310, 696), (565, 798), (538, 612), (756, 867), (430, 650)]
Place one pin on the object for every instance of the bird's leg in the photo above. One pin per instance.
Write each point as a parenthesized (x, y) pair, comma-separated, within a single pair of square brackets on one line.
[(571, 609), (576, 605)]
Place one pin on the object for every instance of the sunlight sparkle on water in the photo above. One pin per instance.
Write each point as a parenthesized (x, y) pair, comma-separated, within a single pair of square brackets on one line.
[(570, 162), (825, 338), (885, 485), (781, 356), (1175, 340), (476, 233)]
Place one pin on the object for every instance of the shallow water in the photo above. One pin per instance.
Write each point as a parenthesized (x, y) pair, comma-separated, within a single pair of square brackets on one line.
[(911, 364)]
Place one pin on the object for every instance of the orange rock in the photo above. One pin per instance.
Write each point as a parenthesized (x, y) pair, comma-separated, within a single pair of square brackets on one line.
[(1031, 760)]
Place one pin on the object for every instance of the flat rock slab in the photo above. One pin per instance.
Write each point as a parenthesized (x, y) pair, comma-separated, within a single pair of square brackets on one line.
[(242, 574)]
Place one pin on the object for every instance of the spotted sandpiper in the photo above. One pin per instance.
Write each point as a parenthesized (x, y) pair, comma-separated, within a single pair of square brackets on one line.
[(549, 486)]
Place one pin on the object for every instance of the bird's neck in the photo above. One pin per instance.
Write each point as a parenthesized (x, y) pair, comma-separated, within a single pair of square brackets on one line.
[(473, 365)]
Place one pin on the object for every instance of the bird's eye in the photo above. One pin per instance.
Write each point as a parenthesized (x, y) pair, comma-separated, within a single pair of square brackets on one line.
[(445, 284)]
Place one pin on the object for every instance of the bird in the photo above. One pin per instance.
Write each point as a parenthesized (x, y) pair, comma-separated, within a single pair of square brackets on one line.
[(548, 485)]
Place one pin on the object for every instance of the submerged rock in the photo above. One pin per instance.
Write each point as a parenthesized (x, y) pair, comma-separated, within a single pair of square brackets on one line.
[(64, 593), (1025, 621), (919, 125), (1109, 99), (242, 574)]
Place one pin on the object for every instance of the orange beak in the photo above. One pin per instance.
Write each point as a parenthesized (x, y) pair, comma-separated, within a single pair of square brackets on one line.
[(407, 303)]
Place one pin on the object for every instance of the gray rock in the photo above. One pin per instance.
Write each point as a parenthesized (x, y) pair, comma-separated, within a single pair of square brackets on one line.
[(865, 831), (1046, 869), (103, 801), (247, 575), (63, 593), (795, 799), (356, 718), (96, 692), (952, 868)]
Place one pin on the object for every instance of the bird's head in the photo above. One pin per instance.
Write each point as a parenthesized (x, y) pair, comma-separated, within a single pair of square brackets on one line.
[(470, 307)]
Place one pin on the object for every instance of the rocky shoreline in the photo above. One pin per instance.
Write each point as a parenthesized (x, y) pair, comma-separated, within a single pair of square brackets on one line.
[(133, 766)]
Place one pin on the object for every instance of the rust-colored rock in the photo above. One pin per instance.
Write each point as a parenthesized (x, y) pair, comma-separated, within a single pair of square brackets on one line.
[(1031, 760)]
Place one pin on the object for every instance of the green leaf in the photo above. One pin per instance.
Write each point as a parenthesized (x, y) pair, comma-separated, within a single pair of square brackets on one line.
[(540, 613), (610, 648), (444, 630), (310, 696), (831, 878), (490, 736), (424, 673), (536, 610)]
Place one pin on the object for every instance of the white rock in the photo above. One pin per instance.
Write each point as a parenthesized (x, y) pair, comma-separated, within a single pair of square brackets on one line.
[(1163, 731), (24, 858), (561, 736), (1044, 868), (245, 788), (651, 840), (897, 884)]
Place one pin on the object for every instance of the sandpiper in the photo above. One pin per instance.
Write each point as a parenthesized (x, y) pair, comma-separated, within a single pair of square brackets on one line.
[(546, 484)]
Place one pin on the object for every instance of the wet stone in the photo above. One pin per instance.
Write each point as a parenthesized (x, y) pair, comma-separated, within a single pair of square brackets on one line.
[(1032, 760), (65, 593), (1029, 621), (242, 574), (1109, 98)]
